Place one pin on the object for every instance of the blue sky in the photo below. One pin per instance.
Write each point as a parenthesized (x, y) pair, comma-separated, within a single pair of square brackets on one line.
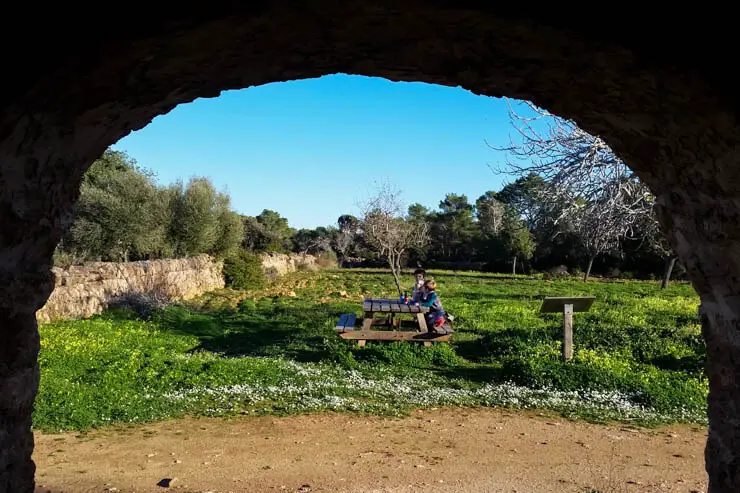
[(312, 149)]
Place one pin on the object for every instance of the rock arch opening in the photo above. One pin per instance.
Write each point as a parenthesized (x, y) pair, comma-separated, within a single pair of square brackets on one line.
[(665, 111)]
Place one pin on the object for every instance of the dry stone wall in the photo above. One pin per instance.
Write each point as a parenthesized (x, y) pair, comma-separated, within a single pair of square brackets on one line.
[(81, 291), (278, 264)]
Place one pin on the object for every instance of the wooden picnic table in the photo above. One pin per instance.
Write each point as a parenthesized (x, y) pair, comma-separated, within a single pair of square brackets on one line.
[(371, 306), (390, 308)]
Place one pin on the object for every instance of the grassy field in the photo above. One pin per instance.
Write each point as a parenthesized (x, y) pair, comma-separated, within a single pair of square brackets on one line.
[(639, 355)]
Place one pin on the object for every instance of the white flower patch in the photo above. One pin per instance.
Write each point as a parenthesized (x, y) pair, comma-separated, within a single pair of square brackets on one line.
[(309, 387)]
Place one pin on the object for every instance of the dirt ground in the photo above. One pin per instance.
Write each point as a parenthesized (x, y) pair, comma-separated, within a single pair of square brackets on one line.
[(446, 450)]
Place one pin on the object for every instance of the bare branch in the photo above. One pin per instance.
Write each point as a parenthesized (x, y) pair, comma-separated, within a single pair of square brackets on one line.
[(388, 231), (588, 186)]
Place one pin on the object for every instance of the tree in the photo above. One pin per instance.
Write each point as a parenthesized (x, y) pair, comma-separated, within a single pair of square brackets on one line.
[(456, 227), (314, 241), (585, 182), (120, 214), (230, 234), (195, 224), (516, 239), (490, 213), (423, 217), (344, 241), (656, 242), (277, 231), (387, 231), (524, 195), (267, 232), (600, 229), (348, 222)]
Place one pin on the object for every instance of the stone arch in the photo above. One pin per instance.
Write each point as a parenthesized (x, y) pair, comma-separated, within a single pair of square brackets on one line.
[(662, 105)]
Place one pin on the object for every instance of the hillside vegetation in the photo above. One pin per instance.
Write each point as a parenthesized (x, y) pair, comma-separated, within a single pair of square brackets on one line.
[(639, 355)]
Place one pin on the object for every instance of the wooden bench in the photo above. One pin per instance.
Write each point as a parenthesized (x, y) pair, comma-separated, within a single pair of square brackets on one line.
[(390, 309), (362, 335), (346, 322)]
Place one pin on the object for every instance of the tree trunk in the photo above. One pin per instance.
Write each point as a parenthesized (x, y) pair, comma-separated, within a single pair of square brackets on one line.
[(668, 270), (395, 270), (720, 326), (513, 268), (588, 269)]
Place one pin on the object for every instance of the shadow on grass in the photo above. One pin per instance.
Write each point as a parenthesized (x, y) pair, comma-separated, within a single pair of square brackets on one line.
[(266, 330), (468, 296), (492, 346), (476, 374), (690, 364), (490, 278)]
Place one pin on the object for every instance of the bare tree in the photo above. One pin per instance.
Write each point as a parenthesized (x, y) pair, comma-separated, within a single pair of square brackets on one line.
[(658, 244), (387, 231), (586, 183), (342, 244), (490, 212)]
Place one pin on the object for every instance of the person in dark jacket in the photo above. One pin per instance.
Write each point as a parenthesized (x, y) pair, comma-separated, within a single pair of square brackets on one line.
[(418, 291)]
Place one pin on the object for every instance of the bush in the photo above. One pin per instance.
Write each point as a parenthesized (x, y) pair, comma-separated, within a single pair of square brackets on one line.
[(244, 271), (143, 305), (557, 272), (272, 274), (327, 260)]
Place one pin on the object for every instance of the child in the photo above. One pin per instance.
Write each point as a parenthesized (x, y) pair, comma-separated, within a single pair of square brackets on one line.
[(419, 277), (436, 316)]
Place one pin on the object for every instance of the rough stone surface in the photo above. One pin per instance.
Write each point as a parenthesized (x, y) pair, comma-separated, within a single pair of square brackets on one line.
[(81, 291), (654, 85), (279, 264)]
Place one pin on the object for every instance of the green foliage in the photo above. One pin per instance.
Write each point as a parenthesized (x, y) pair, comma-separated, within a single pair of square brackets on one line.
[(243, 270), (202, 221), (268, 232), (120, 215), (123, 215), (639, 354), (230, 233)]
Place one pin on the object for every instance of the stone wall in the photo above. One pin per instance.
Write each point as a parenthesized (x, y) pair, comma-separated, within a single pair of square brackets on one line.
[(81, 291), (278, 264)]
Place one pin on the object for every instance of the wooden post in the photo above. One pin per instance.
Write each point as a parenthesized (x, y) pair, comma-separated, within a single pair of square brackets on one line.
[(422, 322), (567, 332)]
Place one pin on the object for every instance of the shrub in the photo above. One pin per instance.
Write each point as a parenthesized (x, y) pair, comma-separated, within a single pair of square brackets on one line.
[(272, 273), (64, 259), (327, 260), (143, 304), (243, 270)]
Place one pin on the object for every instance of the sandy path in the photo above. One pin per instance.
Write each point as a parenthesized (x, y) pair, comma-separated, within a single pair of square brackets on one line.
[(471, 450)]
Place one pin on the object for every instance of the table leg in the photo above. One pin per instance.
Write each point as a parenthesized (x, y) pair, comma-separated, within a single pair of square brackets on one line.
[(367, 322), (422, 322)]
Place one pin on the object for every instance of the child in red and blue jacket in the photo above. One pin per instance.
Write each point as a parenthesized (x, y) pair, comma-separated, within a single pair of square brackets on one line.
[(436, 316)]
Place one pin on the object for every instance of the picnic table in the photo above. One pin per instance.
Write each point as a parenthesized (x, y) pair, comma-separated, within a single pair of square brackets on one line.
[(390, 323), (391, 307)]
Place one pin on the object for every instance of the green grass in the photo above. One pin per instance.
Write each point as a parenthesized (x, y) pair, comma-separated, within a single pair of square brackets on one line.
[(639, 355)]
